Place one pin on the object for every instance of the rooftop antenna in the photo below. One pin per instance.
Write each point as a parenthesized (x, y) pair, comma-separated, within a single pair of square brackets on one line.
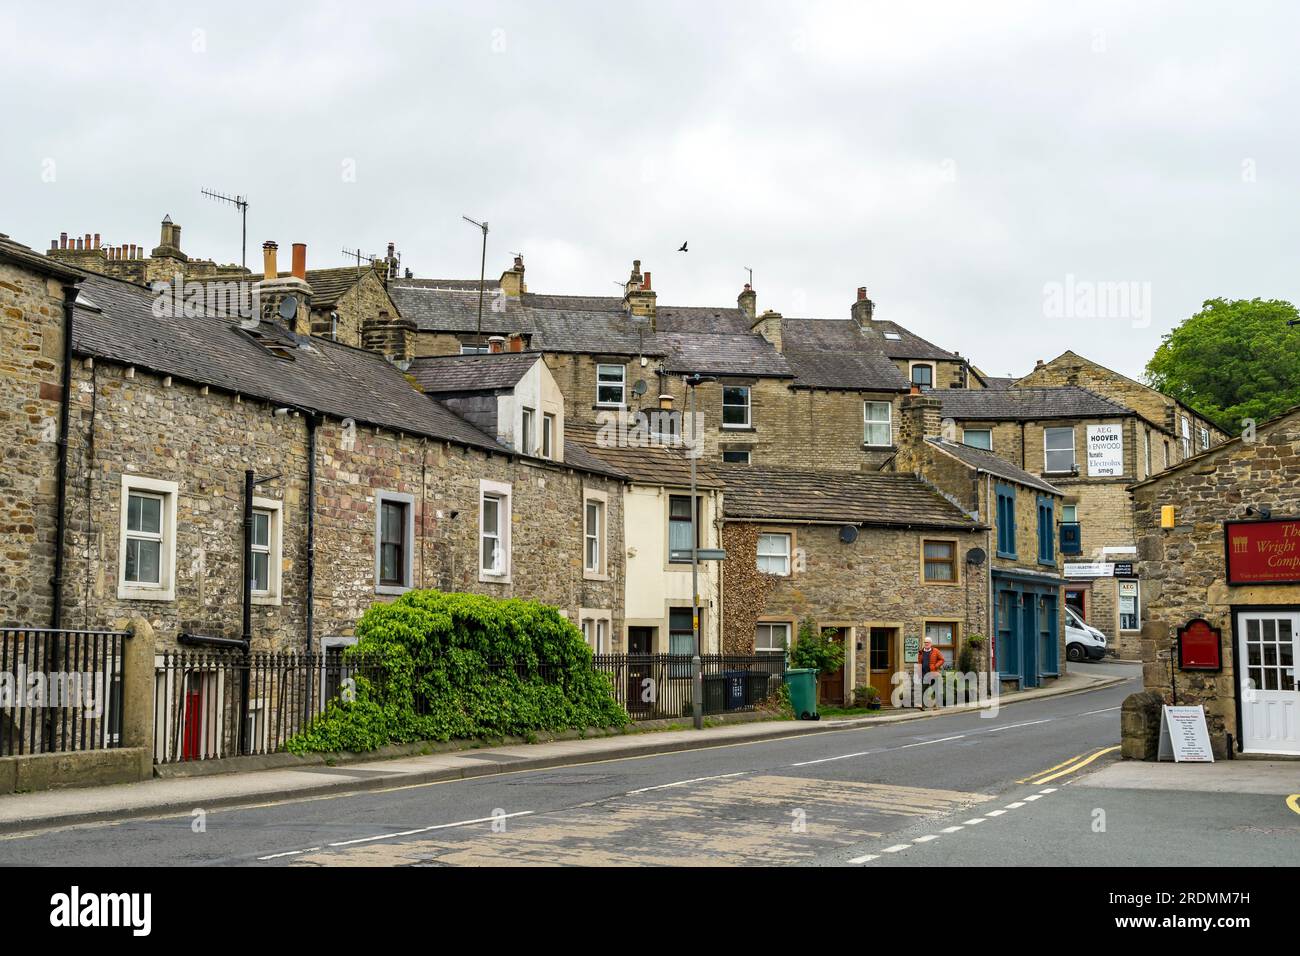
[(240, 203), (751, 276), (482, 272)]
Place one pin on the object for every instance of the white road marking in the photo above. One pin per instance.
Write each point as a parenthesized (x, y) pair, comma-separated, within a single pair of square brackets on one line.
[(276, 856), (971, 823), (682, 783), (440, 826), (927, 838), (809, 763), (1033, 796), (1015, 806), (896, 848), (1106, 710), (1047, 791), (1029, 723), (922, 743), (865, 859), (952, 829), (996, 813)]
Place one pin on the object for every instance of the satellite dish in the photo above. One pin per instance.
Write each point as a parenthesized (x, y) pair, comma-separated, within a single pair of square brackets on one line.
[(976, 556), (849, 533), (639, 387), (289, 307)]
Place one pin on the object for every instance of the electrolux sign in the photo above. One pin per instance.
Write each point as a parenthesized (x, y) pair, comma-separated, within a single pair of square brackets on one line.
[(1262, 552), (1105, 451)]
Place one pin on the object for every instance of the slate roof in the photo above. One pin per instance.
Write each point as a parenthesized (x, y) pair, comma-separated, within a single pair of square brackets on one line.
[(323, 376), (651, 465), (31, 259), (909, 345), (327, 285), (596, 325), (867, 498), (835, 353), (983, 460), (1026, 404), (471, 373)]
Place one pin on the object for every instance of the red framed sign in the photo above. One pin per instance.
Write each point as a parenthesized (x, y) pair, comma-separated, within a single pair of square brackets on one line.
[(1200, 646), (1262, 552)]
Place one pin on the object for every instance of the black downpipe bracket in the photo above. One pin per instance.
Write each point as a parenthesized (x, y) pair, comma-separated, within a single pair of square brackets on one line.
[(65, 405)]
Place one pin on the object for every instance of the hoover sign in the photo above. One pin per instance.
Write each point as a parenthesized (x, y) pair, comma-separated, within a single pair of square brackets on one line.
[(1262, 552)]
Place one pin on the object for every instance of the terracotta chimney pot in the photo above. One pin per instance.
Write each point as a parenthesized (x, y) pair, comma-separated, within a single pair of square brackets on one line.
[(300, 260)]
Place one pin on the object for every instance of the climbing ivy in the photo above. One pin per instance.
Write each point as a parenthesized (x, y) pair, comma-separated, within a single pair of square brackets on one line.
[(436, 666)]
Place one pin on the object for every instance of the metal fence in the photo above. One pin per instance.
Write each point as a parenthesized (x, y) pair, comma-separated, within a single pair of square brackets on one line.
[(226, 703), (60, 690), (652, 686)]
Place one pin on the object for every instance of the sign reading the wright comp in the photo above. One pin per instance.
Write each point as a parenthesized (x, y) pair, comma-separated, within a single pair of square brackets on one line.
[(1263, 552)]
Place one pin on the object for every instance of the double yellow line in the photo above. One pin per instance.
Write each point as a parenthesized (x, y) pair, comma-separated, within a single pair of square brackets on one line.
[(1067, 766)]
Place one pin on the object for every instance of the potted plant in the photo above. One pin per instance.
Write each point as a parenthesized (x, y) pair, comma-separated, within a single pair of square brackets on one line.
[(866, 696)]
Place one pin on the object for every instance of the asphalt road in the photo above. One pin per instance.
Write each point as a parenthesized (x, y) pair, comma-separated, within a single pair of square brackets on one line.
[(819, 799)]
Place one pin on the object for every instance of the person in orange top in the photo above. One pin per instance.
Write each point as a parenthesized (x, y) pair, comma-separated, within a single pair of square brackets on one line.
[(931, 661)]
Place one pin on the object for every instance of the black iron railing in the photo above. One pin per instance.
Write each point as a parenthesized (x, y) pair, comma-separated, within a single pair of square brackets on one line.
[(654, 686), (225, 703), (60, 690)]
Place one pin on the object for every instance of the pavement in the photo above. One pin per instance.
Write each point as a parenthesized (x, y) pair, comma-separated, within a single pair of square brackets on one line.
[(55, 808)]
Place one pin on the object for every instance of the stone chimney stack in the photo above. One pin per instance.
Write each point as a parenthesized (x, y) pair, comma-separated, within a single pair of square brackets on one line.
[(921, 418), (768, 325), (512, 280), (747, 301), (390, 336), (638, 297), (275, 291), (863, 309)]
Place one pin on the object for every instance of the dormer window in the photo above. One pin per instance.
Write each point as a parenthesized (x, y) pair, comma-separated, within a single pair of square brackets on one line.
[(923, 377), (526, 431)]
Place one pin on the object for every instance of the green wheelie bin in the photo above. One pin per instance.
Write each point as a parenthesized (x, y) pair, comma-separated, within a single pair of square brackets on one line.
[(802, 682)]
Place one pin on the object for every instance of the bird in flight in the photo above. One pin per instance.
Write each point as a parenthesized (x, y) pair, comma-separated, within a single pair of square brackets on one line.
[(683, 248)]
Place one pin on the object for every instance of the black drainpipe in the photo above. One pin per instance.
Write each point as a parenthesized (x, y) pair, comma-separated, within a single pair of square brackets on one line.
[(65, 405), (247, 638)]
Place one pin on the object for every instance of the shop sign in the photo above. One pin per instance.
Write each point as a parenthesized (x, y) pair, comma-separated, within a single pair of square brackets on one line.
[(1262, 552), (1105, 451)]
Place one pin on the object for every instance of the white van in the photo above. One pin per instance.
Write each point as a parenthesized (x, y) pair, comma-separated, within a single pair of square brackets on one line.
[(1082, 641)]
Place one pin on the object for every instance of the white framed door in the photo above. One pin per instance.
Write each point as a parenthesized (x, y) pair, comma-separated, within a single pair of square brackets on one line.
[(1268, 649)]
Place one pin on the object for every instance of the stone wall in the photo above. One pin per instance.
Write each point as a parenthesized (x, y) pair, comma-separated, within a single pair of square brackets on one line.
[(31, 349), (205, 441), (1183, 567)]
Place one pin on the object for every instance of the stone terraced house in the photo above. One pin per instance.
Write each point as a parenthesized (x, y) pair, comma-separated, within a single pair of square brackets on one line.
[(365, 487)]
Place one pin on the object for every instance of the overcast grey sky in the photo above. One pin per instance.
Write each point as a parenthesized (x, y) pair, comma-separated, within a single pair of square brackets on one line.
[(955, 158)]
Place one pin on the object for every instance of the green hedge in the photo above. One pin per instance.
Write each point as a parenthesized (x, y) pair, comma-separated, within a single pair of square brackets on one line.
[(438, 648)]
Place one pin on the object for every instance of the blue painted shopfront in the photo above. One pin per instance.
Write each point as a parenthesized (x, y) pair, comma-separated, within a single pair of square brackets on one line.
[(1028, 626)]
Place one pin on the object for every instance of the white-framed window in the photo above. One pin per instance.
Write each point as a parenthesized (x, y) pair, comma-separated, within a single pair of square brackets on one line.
[(394, 542), (526, 426), (594, 533), (268, 540), (548, 435), (494, 531), (1187, 438), (1146, 449), (1205, 439), (1058, 449), (147, 540), (735, 406), (877, 426), (774, 554), (474, 350), (595, 627), (611, 381), (923, 375), (771, 638), (1069, 513), (978, 438)]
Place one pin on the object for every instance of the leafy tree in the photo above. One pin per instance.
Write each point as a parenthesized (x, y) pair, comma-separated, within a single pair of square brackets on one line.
[(815, 648), (1234, 359)]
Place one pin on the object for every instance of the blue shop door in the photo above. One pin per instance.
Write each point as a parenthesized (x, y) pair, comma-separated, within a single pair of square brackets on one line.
[(1029, 640)]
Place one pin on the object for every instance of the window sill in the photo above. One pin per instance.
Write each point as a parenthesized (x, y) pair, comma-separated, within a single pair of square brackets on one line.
[(390, 589), (598, 407), (487, 577), (594, 576), (868, 447), (1009, 557), (267, 600), (738, 428), (126, 592)]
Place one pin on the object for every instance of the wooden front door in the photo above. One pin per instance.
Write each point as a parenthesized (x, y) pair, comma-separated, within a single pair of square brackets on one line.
[(880, 661), (830, 684)]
